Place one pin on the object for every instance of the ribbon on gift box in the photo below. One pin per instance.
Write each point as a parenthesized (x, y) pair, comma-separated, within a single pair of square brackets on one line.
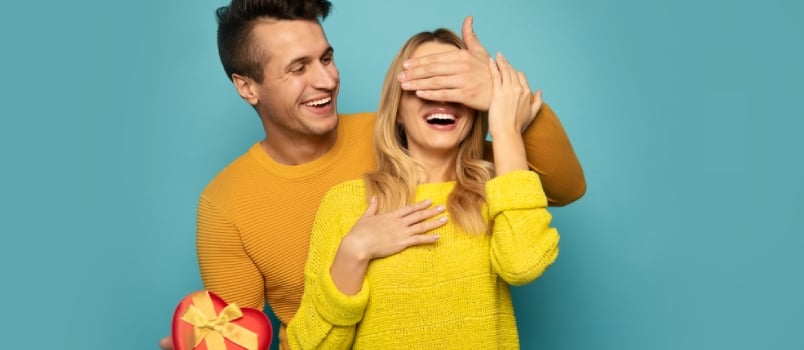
[(214, 328)]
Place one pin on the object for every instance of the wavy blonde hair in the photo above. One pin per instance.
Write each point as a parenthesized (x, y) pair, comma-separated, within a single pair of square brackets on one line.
[(396, 178)]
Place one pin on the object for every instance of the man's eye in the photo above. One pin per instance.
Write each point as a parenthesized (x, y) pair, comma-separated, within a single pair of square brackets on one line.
[(326, 60), (297, 69)]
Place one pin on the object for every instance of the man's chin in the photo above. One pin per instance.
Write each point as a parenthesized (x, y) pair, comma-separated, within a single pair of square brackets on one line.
[(326, 125)]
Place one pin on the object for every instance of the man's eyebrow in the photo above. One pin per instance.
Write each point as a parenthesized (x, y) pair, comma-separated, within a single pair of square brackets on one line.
[(298, 60), (305, 59)]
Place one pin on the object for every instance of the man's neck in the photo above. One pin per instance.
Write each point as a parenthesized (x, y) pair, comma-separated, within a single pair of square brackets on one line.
[(297, 150)]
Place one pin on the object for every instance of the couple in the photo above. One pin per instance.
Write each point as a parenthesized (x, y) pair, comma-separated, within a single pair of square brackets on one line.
[(255, 217)]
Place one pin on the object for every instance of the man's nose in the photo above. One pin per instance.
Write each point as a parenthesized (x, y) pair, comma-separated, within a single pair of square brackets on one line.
[(325, 76)]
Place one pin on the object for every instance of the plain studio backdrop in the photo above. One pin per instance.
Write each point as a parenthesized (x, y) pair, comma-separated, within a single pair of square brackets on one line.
[(686, 115)]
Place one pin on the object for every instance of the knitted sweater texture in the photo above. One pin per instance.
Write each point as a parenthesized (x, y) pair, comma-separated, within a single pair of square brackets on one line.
[(255, 219), (256, 215), (449, 295)]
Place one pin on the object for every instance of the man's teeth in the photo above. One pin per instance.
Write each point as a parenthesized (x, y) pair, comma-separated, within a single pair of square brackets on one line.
[(318, 102), (440, 116)]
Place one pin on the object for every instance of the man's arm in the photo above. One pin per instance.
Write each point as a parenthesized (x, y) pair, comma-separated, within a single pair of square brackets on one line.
[(463, 76), (226, 269), (550, 154)]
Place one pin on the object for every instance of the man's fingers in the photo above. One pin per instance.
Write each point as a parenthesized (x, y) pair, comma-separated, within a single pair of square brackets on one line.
[(444, 63), (439, 95), (166, 343), (454, 96), (433, 83), (435, 58), (468, 32), (470, 38)]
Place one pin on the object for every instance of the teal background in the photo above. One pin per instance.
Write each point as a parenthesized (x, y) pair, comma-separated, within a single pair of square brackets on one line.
[(686, 116)]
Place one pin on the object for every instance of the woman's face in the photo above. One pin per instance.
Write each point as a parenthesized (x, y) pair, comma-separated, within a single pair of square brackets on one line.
[(433, 127)]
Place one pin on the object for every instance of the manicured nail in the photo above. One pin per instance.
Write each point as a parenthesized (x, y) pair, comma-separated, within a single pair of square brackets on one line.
[(436, 237), (401, 76), (440, 208), (442, 219), (406, 84), (427, 201), (406, 64)]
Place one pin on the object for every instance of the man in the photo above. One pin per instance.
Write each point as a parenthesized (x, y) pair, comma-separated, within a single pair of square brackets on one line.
[(255, 217)]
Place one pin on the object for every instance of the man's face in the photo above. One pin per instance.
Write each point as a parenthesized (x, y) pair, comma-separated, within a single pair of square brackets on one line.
[(297, 96)]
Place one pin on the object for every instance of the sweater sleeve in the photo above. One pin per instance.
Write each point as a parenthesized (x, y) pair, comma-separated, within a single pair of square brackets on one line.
[(550, 154), (523, 245), (226, 269), (327, 318)]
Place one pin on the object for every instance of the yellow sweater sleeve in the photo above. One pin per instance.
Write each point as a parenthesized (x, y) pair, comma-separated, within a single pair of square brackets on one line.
[(523, 245), (327, 318)]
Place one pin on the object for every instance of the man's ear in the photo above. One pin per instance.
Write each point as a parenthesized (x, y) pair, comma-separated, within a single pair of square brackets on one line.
[(246, 88)]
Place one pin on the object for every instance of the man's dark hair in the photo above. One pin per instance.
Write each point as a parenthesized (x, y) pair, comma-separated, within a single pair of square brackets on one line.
[(235, 22)]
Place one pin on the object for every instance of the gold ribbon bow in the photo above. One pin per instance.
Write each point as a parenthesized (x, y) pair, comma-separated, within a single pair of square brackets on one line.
[(214, 328)]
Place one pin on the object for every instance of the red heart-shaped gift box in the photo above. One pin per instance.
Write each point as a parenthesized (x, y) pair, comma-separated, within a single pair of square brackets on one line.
[(204, 321)]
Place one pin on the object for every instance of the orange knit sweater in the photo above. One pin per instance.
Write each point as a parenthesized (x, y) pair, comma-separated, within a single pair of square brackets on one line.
[(255, 219)]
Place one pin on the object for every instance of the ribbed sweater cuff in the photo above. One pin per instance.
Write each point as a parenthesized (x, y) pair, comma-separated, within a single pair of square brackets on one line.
[(520, 189), (337, 308)]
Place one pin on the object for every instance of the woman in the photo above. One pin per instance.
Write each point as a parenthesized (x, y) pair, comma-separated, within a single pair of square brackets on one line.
[(370, 283)]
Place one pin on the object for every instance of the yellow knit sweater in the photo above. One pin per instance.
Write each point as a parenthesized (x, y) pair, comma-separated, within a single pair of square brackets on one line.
[(450, 295), (256, 215)]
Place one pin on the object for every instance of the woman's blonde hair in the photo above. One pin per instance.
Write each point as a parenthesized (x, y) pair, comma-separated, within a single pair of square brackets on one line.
[(396, 178)]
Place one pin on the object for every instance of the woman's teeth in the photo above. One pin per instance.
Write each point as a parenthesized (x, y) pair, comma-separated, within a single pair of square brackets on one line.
[(440, 119)]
